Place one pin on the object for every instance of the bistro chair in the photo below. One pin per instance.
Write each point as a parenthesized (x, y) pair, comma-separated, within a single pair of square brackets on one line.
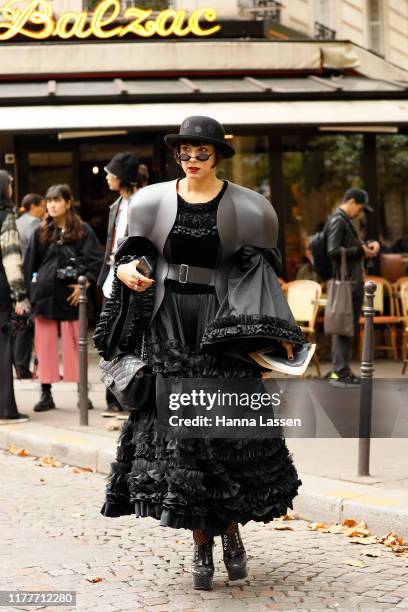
[(397, 292), (301, 296), (392, 266), (384, 294), (403, 304)]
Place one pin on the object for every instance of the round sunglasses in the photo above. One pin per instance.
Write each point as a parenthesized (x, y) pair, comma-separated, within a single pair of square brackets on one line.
[(200, 157)]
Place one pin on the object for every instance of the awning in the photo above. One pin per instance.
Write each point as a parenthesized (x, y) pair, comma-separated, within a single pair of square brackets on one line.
[(231, 114)]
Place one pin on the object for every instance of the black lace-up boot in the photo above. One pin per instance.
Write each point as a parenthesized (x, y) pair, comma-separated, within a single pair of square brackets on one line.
[(46, 401), (202, 567), (235, 557)]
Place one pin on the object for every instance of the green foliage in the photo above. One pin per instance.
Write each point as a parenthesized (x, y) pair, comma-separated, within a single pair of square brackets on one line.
[(334, 160), (392, 155)]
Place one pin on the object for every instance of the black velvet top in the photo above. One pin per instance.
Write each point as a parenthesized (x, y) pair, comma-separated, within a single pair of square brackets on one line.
[(194, 240)]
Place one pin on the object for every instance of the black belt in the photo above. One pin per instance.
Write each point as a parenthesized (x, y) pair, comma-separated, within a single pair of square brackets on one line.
[(191, 274)]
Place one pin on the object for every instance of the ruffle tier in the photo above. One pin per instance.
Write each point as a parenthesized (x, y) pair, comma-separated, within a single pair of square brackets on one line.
[(197, 483)]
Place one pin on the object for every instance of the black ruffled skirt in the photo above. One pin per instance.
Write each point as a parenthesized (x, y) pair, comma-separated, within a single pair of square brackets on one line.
[(195, 483)]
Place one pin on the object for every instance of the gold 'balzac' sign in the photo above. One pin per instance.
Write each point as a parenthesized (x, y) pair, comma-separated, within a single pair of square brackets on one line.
[(36, 21)]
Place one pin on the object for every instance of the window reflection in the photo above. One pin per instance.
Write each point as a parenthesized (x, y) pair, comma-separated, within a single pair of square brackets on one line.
[(317, 170), (250, 164), (392, 164)]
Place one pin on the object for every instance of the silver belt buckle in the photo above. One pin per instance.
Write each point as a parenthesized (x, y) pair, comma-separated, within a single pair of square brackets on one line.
[(183, 273)]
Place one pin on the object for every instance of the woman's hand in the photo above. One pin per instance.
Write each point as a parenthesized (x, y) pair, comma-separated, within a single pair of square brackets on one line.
[(129, 275), (22, 308), (289, 349), (73, 299)]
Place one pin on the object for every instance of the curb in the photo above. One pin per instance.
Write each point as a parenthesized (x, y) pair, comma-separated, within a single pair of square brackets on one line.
[(329, 500), (320, 499)]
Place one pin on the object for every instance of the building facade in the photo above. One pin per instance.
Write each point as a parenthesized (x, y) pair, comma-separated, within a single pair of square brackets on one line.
[(308, 107)]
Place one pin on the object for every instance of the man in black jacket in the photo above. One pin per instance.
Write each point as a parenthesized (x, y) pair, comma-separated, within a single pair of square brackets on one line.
[(341, 233), (124, 174)]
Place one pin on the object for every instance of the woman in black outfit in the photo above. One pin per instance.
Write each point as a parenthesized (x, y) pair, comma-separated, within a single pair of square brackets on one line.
[(13, 298), (215, 297), (61, 249)]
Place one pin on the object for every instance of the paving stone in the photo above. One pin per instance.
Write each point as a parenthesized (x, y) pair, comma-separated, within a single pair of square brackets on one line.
[(147, 567)]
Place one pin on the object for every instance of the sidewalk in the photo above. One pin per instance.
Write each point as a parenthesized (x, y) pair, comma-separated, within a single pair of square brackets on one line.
[(331, 490)]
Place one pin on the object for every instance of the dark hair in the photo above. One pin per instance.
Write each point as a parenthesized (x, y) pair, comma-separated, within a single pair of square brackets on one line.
[(196, 143), (73, 227), (5, 182), (31, 199)]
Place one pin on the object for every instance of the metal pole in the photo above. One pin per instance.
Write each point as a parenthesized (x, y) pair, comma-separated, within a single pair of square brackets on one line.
[(366, 390), (83, 353)]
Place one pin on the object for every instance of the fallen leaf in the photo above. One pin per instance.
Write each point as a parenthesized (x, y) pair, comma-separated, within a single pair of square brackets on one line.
[(78, 514), (180, 542), (400, 549), (14, 450), (290, 516), (349, 523), (359, 530), (322, 527), (93, 579), (358, 540), (371, 553), (354, 563), (391, 538), (81, 470), (336, 528), (282, 527), (49, 460)]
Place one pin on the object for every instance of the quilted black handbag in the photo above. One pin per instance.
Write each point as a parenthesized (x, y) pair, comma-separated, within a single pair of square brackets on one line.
[(128, 378)]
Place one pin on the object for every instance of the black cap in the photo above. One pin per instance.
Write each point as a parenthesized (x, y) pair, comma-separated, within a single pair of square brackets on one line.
[(124, 166), (201, 129), (359, 196)]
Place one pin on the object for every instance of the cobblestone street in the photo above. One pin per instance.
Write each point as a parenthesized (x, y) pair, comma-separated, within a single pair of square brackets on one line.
[(53, 537)]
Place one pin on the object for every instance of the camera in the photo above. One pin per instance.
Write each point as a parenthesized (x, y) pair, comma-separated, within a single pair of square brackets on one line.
[(69, 272)]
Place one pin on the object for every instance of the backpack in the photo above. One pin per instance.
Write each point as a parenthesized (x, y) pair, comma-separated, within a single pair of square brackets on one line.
[(321, 261)]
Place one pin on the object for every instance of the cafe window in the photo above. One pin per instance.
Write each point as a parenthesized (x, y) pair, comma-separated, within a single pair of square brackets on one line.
[(46, 168), (249, 166), (317, 170), (392, 168)]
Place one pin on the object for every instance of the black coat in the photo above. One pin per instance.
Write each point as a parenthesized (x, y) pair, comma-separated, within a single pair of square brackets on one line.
[(341, 233), (113, 211), (48, 294), (253, 312)]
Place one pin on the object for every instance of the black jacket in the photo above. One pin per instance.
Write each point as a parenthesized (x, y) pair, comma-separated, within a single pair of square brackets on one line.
[(253, 312), (341, 233), (113, 211), (48, 294)]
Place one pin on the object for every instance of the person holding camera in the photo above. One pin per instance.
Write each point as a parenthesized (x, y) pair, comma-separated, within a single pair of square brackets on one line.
[(61, 249)]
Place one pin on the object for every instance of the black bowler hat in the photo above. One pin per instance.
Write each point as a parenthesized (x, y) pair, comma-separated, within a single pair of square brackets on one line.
[(124, 166), (199, 129), (359, 196)]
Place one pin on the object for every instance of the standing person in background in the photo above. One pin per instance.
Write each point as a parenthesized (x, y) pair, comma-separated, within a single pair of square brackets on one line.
[(125, 175), (341, 233), (12, 296), (34, 206), (61, 249)]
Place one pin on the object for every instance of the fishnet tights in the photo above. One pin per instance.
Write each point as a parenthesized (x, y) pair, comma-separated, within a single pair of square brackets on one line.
[(200, 537)]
